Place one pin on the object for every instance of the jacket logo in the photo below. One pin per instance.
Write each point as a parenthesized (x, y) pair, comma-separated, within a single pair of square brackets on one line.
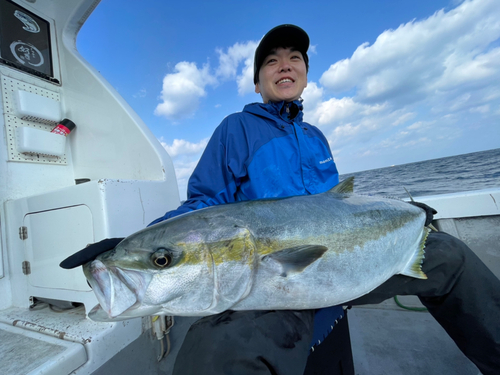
[(326, 160)]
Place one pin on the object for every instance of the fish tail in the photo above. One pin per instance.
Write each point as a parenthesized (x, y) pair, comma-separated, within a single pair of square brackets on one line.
[(414, 266)]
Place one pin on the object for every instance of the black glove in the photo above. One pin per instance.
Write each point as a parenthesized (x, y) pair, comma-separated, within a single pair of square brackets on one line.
[(429, 211), (89, 253)]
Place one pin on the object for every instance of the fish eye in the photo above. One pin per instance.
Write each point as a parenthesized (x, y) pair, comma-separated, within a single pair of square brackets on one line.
[(161, 258)]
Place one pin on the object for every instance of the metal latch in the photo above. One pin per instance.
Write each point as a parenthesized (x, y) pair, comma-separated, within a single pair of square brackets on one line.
[(23, 233), (26, 267), (161, 326)]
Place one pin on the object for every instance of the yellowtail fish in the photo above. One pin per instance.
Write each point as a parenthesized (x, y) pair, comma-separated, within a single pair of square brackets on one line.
[(301, 252)]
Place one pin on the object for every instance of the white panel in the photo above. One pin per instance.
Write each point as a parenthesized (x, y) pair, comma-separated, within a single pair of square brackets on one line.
[(52, 236), (34, 141), (10, 87), (465, 204), (35, 107)]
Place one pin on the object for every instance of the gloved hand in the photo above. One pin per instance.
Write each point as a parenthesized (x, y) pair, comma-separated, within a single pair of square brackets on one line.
[(429, 211), (90, 253)]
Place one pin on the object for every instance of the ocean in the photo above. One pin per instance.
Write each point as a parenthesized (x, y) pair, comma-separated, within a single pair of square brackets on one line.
[(475, 171)]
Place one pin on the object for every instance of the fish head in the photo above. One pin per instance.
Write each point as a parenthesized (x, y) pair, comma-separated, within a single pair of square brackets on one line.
[(147, 274)]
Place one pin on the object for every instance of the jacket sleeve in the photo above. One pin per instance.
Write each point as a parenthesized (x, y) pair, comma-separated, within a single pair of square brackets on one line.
[(213, 180)]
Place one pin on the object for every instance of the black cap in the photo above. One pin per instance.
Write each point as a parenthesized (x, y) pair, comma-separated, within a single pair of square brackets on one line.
[(280, 36), (89, 253), (68, 123)]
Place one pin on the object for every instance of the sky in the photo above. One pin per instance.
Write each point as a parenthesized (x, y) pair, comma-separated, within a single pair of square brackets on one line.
[(390, 81)]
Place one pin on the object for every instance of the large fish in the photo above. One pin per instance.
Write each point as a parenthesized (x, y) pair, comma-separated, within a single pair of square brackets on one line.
[(300, 252)]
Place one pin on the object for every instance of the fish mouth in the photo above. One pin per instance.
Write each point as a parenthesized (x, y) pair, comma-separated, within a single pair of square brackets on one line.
[(117, 290), (97, 314)]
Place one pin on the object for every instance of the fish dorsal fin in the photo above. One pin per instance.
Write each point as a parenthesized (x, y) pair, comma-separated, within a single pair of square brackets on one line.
[(296, 259), (346, 186)]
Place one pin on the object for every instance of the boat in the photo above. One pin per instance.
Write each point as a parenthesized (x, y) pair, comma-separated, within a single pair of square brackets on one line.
[(77, 166)]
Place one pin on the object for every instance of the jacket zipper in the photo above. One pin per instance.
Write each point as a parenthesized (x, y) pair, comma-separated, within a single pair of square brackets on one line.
[(295, 126), (287, 110)]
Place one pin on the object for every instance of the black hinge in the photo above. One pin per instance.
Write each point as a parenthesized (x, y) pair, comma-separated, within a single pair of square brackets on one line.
[(23, 233), (26, 267)]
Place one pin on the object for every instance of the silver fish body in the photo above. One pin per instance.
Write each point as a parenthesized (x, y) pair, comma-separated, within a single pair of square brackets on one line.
[(300, 252)]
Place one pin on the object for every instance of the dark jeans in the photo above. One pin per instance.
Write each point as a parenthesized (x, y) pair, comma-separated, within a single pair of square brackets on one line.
[(461, 293)]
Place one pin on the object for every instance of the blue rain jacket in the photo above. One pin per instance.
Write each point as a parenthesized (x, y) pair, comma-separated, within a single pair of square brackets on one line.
[(263, 152)]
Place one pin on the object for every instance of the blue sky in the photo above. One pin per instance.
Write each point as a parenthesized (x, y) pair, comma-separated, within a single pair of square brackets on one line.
[(390, 81)]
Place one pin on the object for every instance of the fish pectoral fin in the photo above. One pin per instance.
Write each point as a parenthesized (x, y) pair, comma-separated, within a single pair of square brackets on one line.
[(344, 187), (296, 259)]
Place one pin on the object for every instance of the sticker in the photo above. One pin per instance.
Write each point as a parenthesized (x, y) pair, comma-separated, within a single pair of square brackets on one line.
[(61, 129), (26, 53), (29, 23)]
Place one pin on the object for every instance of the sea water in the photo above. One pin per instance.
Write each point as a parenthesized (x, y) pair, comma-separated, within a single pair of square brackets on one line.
[(475, 171)]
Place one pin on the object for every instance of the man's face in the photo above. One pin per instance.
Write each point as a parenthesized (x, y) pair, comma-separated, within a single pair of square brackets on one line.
[(282, 76)]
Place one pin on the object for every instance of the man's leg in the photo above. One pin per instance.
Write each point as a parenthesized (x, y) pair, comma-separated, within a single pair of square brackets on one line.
[(461, 293), (247, 342)]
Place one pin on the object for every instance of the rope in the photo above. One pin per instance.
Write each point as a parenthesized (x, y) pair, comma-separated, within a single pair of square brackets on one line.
[(423, 309)]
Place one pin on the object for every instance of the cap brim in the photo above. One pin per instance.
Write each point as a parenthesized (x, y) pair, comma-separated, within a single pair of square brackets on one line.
[(89, 253)]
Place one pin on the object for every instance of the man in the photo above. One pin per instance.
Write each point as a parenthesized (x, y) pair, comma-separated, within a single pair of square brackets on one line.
[(268, 151)]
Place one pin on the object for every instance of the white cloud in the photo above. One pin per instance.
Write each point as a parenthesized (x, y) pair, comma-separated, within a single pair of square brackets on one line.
[(140, 94), (419, 57), (336, 110), (403, 118), (419, 125), (470, 72), (245, 79), (343, 120), (181, 146), (480, 109), (313, 96), (183, 89), (230, 62)]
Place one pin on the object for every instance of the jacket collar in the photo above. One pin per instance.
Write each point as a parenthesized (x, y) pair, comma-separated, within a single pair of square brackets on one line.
[(277, 109)]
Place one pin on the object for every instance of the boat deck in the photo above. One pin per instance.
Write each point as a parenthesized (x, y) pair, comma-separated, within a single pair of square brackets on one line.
[(388, 340)]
